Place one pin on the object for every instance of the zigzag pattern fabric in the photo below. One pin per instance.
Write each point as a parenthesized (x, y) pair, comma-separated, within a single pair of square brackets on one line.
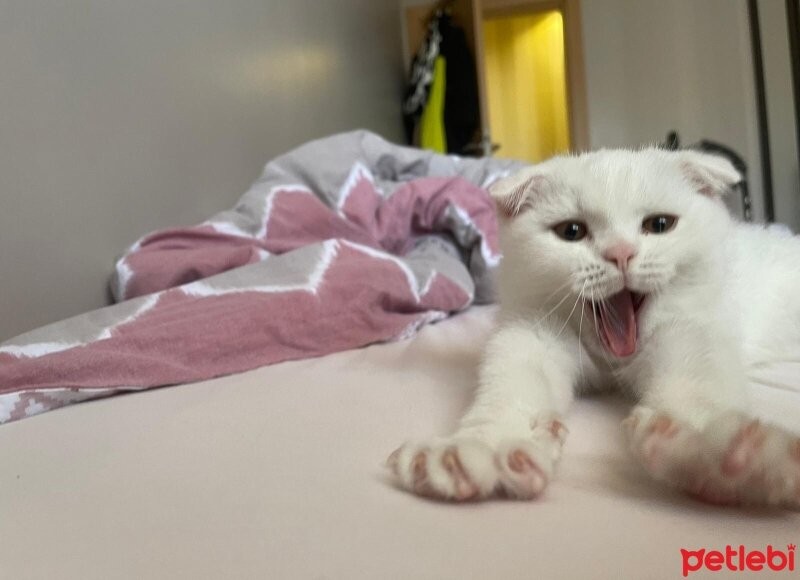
[(344, 242)]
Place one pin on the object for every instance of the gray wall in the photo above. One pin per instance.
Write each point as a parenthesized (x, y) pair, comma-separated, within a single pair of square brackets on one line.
[(656, 65), (118, 117)]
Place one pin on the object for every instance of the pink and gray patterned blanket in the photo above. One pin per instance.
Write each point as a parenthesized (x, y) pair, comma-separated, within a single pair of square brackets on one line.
[(343, 242)]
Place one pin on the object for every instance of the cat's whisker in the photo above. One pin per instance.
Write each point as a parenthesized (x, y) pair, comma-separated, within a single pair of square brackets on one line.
[(553, 293), (594, 314), (580, 330), (553, 309), (571, 312), (549, 298)]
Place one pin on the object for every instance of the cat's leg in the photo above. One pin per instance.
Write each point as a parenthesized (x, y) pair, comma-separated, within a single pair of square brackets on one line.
[(692, 430), (510, 440)]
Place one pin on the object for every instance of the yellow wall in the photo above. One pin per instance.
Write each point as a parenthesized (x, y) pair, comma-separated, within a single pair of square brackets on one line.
[(526, 85)]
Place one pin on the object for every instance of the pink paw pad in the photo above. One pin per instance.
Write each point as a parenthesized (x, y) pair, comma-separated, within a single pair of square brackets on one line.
[(630, 423), (558, 430), (519, 462), (419, 472), (530, 472), (464, 487), (664, 426), (743, 449), (655, 444)]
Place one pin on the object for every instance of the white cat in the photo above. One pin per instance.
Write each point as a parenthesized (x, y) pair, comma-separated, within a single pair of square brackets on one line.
[(623, 269)]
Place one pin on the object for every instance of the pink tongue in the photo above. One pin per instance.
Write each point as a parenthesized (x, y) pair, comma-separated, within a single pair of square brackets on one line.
[(618, 324)]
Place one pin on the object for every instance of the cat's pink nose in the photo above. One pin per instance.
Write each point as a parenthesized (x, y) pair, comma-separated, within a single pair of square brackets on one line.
[(621, 254)]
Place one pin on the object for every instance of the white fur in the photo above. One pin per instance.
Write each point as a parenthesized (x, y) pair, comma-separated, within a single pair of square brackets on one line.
[(721, 300)]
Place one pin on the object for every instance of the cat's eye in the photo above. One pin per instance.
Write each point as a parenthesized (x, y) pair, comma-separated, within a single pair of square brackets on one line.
[(571, 231), (659, 224)]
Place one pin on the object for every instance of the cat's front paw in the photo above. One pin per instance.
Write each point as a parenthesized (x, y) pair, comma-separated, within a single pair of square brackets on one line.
[(464, 468), (734, 460)]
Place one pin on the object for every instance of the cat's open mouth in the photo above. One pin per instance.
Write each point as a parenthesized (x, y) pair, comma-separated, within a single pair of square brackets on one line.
[(618, 321)]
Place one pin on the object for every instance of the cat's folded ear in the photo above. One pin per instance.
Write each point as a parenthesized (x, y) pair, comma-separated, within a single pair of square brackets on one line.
[(711, 175), (514, 194)]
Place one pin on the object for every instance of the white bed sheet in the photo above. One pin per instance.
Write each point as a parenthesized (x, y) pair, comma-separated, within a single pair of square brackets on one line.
[(277, 473)]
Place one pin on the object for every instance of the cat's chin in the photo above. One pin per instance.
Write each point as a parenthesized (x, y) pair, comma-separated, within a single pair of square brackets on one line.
[(617, 321)]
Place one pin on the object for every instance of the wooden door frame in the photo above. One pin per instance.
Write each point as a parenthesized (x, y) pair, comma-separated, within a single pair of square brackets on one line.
[(573, 54)]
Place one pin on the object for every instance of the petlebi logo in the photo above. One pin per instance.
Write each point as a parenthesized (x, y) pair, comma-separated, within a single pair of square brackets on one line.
[(739, 559)]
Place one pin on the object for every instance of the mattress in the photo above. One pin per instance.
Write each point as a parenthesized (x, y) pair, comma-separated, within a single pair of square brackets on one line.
[(278, 473)]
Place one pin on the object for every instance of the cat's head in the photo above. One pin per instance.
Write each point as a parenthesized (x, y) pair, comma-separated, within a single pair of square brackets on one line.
[(614, 227)]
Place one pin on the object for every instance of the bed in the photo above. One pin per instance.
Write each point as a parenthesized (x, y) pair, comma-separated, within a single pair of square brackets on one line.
[(277, 471)]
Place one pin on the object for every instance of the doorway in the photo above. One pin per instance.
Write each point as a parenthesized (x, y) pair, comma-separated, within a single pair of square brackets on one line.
[(526, 84), (534, 78)]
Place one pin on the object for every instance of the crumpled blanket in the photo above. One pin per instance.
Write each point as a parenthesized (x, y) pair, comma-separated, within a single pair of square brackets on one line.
[(343, 242)]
